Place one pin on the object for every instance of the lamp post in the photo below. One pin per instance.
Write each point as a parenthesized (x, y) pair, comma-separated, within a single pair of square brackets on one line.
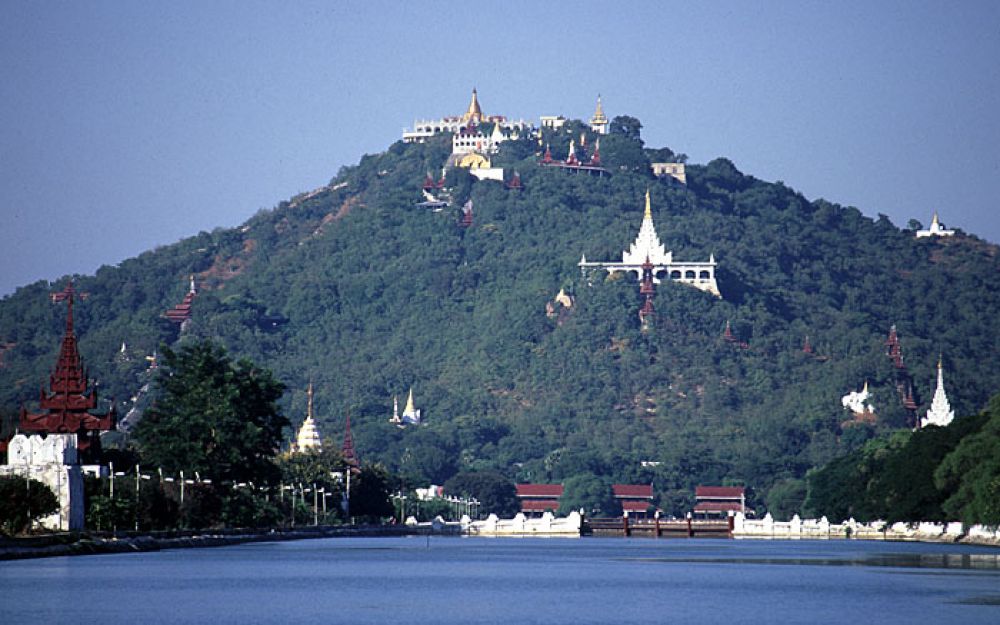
[(315, 505)]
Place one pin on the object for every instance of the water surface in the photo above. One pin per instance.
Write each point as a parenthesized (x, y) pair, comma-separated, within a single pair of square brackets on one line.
[(470, 581)]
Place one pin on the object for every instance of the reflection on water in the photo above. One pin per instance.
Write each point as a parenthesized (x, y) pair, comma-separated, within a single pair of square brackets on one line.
[(480, 581), (982, 561)]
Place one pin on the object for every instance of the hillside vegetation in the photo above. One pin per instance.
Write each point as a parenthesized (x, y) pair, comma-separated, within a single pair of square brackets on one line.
[(366, 294)]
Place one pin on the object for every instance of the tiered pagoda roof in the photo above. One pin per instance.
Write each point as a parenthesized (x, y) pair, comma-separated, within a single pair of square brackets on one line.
[(66, 407), (182, 312), (347, 448)]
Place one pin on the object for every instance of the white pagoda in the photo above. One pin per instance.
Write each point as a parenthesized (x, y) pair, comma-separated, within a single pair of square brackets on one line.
[(940, 412), (647, 247), (308, 436), (936, 229), (410, 416)]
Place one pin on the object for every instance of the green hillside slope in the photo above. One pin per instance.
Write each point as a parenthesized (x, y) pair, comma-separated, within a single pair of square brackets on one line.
[(366, 294)]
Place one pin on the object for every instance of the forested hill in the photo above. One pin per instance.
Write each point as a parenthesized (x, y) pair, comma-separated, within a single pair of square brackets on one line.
[(366, 294)]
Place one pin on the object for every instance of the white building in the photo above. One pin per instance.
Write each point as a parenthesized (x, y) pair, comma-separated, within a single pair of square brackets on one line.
[(936, 229), (552, 122), (51, 460), (940, 412), (647, 246), (673, 170)]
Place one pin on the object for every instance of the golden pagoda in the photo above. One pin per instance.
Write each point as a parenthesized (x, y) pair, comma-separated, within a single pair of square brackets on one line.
[(475, 113), (599, 122)]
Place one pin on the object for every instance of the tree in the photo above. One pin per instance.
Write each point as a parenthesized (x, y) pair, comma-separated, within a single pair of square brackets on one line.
[(22, 502), (785, 498), (496, 493), (370, 493), (213, 416), (971, 473), (590, 493), (627, 126)]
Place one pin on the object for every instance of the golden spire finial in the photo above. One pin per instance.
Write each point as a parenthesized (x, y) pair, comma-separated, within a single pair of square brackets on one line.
[(649, 212), (939, 361), (409, 404), (865, 389), (599, 113), (309, 410)]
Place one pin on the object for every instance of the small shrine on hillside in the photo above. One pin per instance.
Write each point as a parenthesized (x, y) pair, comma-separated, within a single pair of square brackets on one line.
[(574, 161), (308, 438), (862, 411), (181, 313), (410, 414), (940, 412), (937, 229), (647, 248)]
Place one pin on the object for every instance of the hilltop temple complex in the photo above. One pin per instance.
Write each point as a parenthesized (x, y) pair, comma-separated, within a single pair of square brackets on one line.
[(647, 248), (467, 122)]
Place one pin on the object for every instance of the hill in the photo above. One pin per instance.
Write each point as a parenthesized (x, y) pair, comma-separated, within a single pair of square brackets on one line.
[(356, 288)]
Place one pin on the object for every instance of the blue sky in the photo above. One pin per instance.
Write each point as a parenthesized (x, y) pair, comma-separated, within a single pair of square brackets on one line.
[(127, 125)]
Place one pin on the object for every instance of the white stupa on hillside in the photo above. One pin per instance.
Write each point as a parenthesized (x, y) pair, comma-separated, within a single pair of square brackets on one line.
[(940, 412), (936, 229), (308, 437)]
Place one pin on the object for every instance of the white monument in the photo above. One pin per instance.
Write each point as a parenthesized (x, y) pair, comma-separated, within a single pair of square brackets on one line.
[(940, 413), (647, 247), (936, 229)]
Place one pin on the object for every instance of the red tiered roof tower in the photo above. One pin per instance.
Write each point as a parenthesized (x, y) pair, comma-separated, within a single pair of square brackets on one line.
[(647, 290), (347, 448), (65, 409)]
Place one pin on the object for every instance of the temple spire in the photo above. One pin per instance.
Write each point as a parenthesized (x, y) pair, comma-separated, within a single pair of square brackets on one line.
[(411, 415), (599, 122), (308, 436), (347, 449), (475, 112), (309, 408), (648, 214), (940, 412)]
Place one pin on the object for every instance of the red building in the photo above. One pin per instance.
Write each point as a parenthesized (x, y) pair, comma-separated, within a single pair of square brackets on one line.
[(719, 501), (538, 498), (636, 499)]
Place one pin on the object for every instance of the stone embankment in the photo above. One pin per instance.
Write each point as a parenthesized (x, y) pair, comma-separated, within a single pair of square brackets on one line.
[(797, 529), (83, 543)]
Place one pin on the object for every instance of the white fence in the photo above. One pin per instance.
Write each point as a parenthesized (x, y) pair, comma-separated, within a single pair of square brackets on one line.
[(821, 528)]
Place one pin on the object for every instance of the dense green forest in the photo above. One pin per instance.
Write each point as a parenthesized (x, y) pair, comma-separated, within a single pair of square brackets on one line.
[(366, 294)]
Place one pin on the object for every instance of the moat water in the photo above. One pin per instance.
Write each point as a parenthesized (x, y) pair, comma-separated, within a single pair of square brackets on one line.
[(510, 580)]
